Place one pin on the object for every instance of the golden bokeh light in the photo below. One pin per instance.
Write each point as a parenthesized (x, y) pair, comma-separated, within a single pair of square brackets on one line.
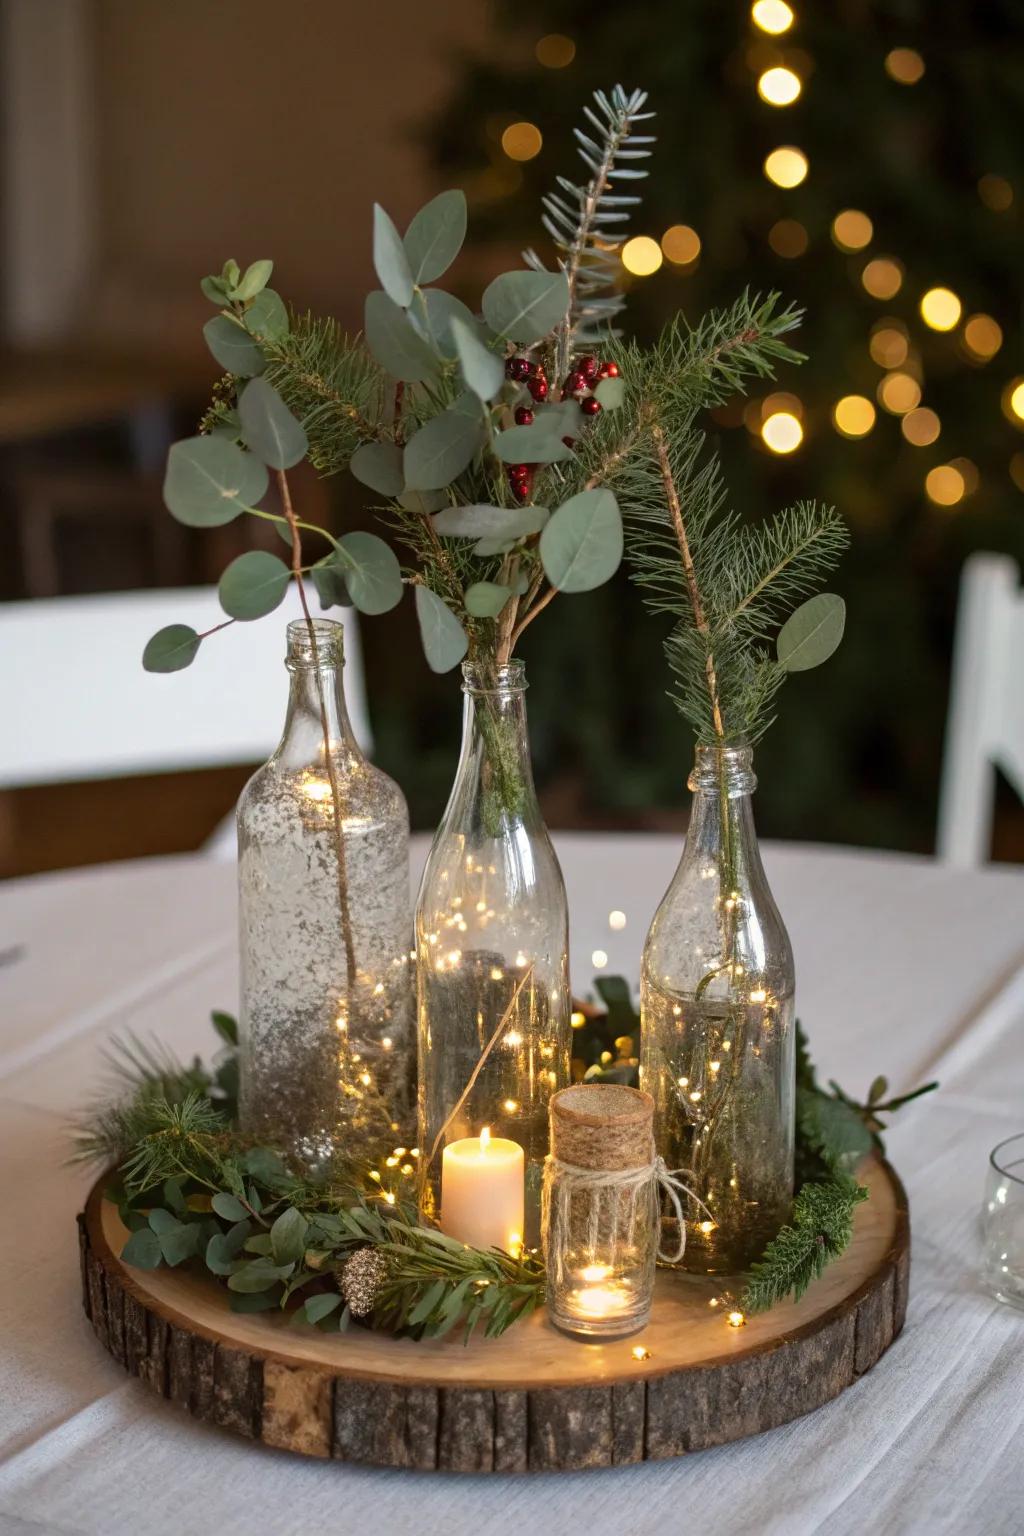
[(944, 485), (681, 244), (889, 345), (995, 192), (898, 393), (905, 65), (788, 238), (782, 432), (854, 416), (522, 141), (983, 337), (969, 471), (772, 16), (786, 166), (641, 256), (555, 51), (882, 277), (852, 230), (940, 309), (779, 86), (920, 426), (1013, 402)]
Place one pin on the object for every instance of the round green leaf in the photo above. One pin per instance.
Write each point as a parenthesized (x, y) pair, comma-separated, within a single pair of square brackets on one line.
[(394, 341), (373, 575), (215, 289), (525, 306), (379, 465), (260, 1275), (482, 370), (435, 236), (171, 649), (209, 481), (423, 502), (389, 259), (253, 585), (482, 521), (288, 1236), (434, 319), (322, 1305), (233, 347), (268, 426), (254, 280), (329, 580), (229, 1206), (439, 452), (486, 599), (142, 1250), (812, 633), (611, 393), (444, 639), (540, 443), (266, 317), (581, 545)]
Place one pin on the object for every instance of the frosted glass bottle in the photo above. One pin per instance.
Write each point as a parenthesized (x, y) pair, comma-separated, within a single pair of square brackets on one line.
[(326, 1028), (717, 1033)]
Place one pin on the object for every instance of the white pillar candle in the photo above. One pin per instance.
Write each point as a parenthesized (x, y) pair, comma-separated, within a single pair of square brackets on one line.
[(482, 1192)]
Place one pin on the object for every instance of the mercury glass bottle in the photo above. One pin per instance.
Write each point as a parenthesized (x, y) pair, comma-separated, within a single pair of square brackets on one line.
[(327, 1041), (491, 948), (717, 1029)]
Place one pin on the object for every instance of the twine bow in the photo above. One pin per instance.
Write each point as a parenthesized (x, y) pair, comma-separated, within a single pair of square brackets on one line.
[(669, 1180), (571, 1178)]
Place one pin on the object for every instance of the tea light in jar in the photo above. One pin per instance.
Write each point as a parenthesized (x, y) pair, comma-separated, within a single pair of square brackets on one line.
[(482, 1191), (595, 1299)]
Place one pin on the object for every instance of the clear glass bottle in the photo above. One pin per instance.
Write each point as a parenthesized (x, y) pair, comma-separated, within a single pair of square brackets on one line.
[(717, 1033), (492, 933), (326, 1028)]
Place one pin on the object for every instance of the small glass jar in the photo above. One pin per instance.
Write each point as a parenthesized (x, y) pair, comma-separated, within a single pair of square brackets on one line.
[(1002, 1223), (601, 1211)]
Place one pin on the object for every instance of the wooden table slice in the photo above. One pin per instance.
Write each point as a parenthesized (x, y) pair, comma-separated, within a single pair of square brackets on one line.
[(530, 1401)]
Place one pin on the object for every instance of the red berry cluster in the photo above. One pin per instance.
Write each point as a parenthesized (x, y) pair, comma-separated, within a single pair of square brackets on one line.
[(579, 384)]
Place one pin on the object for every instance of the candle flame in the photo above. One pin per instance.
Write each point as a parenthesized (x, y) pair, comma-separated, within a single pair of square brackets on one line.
[(595, 1272), (485, 1139)]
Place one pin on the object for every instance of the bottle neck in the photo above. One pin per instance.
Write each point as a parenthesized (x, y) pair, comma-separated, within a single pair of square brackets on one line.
[(494, 779), (721, 833), (316, 697)]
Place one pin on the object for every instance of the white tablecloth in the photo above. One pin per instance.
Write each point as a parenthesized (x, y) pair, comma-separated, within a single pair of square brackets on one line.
[(902, 967)]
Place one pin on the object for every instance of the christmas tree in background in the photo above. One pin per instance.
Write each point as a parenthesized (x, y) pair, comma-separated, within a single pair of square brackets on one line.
[(865, 160)]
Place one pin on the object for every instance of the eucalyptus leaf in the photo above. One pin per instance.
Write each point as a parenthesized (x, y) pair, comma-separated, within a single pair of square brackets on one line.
[(265, 1301), (433, 317), (320, 1306), (483, 520), (210, 481), (253, 281), (171, 648), (394, 341), (228, 1206), (525, 306), (226, 1026), (423, 502), (581, 545), (267, 317), (269, 428), (611, 393), (379, 465), (491, 546), (223, 1249), (435, 236), (180, 1242), (268, 1166), (444, 640), (540, 443), (482, 371), (486, 599), (288, 1236), (389, 259), (215, 289), (439, 452), (253, 584), (373, 575), (142, 1250), (260, 1275), (233, 347), (162, 1221), (329, 581), (812, 633), (230, 272)]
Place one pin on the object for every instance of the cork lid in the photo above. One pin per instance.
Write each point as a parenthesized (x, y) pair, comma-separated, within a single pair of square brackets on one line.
[(602, 1126)]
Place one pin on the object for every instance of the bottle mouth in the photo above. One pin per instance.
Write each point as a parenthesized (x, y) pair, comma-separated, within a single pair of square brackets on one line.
[(729, 766), (329, 650), (488, 677)]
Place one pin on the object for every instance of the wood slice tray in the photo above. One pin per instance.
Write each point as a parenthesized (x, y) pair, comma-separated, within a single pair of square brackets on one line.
[(532, 1400)]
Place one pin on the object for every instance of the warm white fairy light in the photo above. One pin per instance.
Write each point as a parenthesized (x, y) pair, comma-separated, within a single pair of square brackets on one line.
[(616, 921), (599, 959)]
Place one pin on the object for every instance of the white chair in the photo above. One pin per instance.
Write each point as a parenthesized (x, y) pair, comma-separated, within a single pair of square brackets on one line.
[(985, 727), (76, 704)]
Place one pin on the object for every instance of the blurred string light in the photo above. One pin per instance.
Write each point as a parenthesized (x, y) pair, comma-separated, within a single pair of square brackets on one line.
[(681, 245), (779, 86), (921, 426), (899, 393), (944, 485), (969, 472), (982, 337), (904, 65), (1013, 402), (522, 141), (882, 277), (995, 192), (786, 166), (641, 256), (788, 238), (888, 344), (940, 309), (852, 230), (555, 51), (772, 16), (853, 416), (781, 432)]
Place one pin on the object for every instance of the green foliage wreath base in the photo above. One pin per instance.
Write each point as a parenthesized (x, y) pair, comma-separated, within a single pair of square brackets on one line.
[(190, 1188)]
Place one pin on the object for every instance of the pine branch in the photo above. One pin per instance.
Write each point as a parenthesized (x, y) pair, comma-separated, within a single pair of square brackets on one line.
[(820, 1230), (333, 386)]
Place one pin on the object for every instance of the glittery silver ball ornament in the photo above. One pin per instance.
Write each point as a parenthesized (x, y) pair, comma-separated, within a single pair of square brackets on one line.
[(360, 1280)]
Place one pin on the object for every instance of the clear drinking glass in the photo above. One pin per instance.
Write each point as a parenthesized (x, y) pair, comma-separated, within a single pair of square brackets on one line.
[(717, 1036), (326, 1029), (1002, 1223), (492, 933)]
